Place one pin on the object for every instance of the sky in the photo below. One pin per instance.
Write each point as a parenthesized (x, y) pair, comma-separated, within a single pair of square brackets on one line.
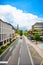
[(22, 12)]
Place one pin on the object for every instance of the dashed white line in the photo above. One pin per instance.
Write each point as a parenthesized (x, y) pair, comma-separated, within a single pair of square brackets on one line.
[(18, 60), (19, 57), (9, 58), (20, 50)]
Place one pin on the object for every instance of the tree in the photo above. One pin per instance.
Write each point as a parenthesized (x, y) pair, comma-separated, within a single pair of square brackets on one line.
[(21, 32), (37, 37), (26, 33)]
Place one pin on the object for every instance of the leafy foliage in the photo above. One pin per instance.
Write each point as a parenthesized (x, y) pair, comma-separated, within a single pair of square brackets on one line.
[(3, 48), (20, 32), (37, 37), (26, 33)]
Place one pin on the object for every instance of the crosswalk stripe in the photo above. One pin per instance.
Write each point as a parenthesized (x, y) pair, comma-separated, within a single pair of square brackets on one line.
[(3, 62)]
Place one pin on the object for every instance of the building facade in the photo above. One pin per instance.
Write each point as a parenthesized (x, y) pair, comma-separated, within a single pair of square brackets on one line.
[(38, 27), (6, 32)]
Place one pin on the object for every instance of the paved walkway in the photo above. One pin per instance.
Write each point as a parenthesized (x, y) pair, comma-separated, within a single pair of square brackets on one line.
[(39, 51)]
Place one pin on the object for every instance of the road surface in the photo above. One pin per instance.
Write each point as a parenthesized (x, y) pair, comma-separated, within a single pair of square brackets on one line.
[(23, 54), (7, 53)]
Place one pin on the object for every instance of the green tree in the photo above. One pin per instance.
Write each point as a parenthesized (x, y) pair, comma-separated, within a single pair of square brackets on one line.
[(26, 33), (21, 32), (37, 37)]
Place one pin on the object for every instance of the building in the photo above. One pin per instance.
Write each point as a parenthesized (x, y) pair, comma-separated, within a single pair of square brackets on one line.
[(38, 27), (17, 27), (6, 32)]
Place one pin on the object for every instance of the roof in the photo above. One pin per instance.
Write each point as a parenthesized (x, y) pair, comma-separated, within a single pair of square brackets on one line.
[(5, 22), (8, 24), (39, 23)]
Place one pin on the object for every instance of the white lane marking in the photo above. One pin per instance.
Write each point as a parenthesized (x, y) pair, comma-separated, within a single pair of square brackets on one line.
[(9, 58), (20, 50), (19, 57), (18, 60), (3, 62), (10, 48), (30, 55)]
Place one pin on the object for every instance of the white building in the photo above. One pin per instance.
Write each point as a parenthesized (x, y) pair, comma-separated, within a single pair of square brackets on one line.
[(6, 32), (39, 27)]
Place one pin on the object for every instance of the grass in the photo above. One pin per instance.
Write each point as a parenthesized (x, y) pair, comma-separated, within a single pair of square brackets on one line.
[(3, 48)]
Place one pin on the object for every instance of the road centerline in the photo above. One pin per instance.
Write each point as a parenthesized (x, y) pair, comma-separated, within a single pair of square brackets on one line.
[(19, 57)]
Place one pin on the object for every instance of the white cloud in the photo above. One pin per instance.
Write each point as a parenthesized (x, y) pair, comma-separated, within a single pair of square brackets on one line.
[(16, 16)]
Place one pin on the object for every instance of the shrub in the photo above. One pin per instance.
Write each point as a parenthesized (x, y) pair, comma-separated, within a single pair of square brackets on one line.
[(37, 37), (1, 51), (3, 47)]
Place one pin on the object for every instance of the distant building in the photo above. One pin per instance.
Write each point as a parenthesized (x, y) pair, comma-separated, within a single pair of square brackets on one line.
[(39, 27), (17, 27), (6, 32)]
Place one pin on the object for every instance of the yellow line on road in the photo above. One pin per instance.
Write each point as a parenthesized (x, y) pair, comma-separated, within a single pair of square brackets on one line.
[(36, 57), (41, 62)]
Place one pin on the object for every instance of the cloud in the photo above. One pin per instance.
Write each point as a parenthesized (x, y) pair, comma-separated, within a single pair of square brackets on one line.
[(16, 16)]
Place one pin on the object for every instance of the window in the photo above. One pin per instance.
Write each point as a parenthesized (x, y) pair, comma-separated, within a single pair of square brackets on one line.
[(0, 37), (1, 43), (4, 41)]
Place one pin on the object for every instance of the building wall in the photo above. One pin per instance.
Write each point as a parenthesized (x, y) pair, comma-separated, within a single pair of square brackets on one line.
[(38, 26), (6, 32)]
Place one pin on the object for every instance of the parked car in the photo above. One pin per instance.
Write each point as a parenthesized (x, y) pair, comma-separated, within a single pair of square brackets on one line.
[(20, 37)]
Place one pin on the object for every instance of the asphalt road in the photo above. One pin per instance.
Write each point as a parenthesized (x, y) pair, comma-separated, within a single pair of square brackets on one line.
[(5, 56), (20, 55), (23, 54), (24, 58)]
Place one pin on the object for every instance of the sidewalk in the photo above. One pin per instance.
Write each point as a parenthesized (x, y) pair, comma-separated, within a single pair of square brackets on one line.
[(35, 47)]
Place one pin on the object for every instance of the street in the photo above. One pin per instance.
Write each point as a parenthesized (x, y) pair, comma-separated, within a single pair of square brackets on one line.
[(23, 54), (7, 53)]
